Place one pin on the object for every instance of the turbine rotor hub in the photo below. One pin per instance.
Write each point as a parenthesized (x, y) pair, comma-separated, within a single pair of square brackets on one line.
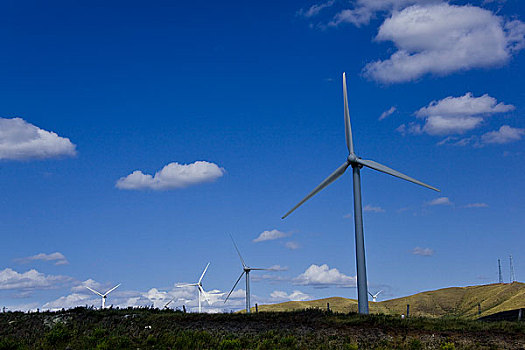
[(352, 159)]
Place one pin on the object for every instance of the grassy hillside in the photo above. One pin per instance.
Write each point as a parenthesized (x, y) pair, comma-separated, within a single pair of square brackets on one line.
[(455, 301), (82, 329)]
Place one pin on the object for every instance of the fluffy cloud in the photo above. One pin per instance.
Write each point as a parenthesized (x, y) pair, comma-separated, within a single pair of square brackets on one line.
[(387, 113), (57, 258), (270, 236), (505, 134), (423, 251), (296, 295), (172, 176), (22, 140), (439, 201), (323, 276), (457, 115), (442, 39), (30, 280)]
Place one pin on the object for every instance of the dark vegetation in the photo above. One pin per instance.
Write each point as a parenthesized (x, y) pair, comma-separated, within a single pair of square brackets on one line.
[(84, 328)]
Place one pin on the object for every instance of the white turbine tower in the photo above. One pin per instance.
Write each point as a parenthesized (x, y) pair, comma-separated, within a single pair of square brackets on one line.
[(103, 295), (374, 296), (357, 163), (245, 270), (199, 288)]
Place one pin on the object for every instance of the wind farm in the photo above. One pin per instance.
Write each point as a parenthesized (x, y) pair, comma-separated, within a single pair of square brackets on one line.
[(135, 137)]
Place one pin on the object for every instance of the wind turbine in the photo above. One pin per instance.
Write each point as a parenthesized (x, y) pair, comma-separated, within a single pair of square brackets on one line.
[(245, 270), (103, 295), (357, 163), (199, 288), (374, 296)]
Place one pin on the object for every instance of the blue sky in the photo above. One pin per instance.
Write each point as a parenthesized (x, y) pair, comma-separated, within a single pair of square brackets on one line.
[(238, 109)]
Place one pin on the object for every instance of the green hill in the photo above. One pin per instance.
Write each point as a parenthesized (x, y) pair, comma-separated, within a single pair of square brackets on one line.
[(454, 301)]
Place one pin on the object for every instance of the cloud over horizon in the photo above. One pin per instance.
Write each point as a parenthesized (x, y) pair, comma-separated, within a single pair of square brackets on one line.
[(172, 176), (321, 276)]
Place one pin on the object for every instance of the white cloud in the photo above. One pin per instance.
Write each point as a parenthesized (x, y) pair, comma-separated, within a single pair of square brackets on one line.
[(30, 280), (387, 113), (441, 39), (296, 295), (172, 176), (71, 301), (292, 245), (505, 134), (278, 268), (315, 9), (364, 10), (477, 205), (270, 236), (457, 115), (439, 201), (423, 251), (56, 257), (323, 276), (370, 208), (21, 140)]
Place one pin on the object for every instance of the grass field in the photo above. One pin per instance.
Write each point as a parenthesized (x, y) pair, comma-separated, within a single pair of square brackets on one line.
[(448, 302), (83, 328)]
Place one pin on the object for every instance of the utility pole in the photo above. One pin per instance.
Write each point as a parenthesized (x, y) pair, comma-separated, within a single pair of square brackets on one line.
[(499, 268)]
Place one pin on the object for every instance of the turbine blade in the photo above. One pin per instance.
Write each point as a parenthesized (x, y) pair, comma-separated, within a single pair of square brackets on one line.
[(112, 289), (378, 293), (235, 285), (169, 302), (94, 291), (348, 126), (204, 294), (256, 268), (187, 285), (371, 294), (238, 252), (334, 176), (387, 170), (203, 272)]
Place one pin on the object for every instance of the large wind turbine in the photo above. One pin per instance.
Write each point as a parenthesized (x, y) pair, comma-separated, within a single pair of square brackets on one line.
[(357, 163), (199, 288), (103, 295), (245, 270)]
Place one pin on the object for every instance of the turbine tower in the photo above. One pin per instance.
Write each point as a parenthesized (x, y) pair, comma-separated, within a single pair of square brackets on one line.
[(103, 295), (245, 270), (499, 269), (374, 296), (199, 288), (357, 163), (512, 275)]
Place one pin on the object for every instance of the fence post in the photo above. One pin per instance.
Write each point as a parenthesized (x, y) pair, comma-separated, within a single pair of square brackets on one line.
[(479, 308), (328, 307), (519, 314), (256, 307), (184, 308), (408, 310)]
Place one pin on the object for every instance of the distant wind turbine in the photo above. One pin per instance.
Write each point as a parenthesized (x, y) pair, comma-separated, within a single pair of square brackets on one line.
[(199, 288), (103, 295), (374, 296), (245, 270), (357, 163)]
